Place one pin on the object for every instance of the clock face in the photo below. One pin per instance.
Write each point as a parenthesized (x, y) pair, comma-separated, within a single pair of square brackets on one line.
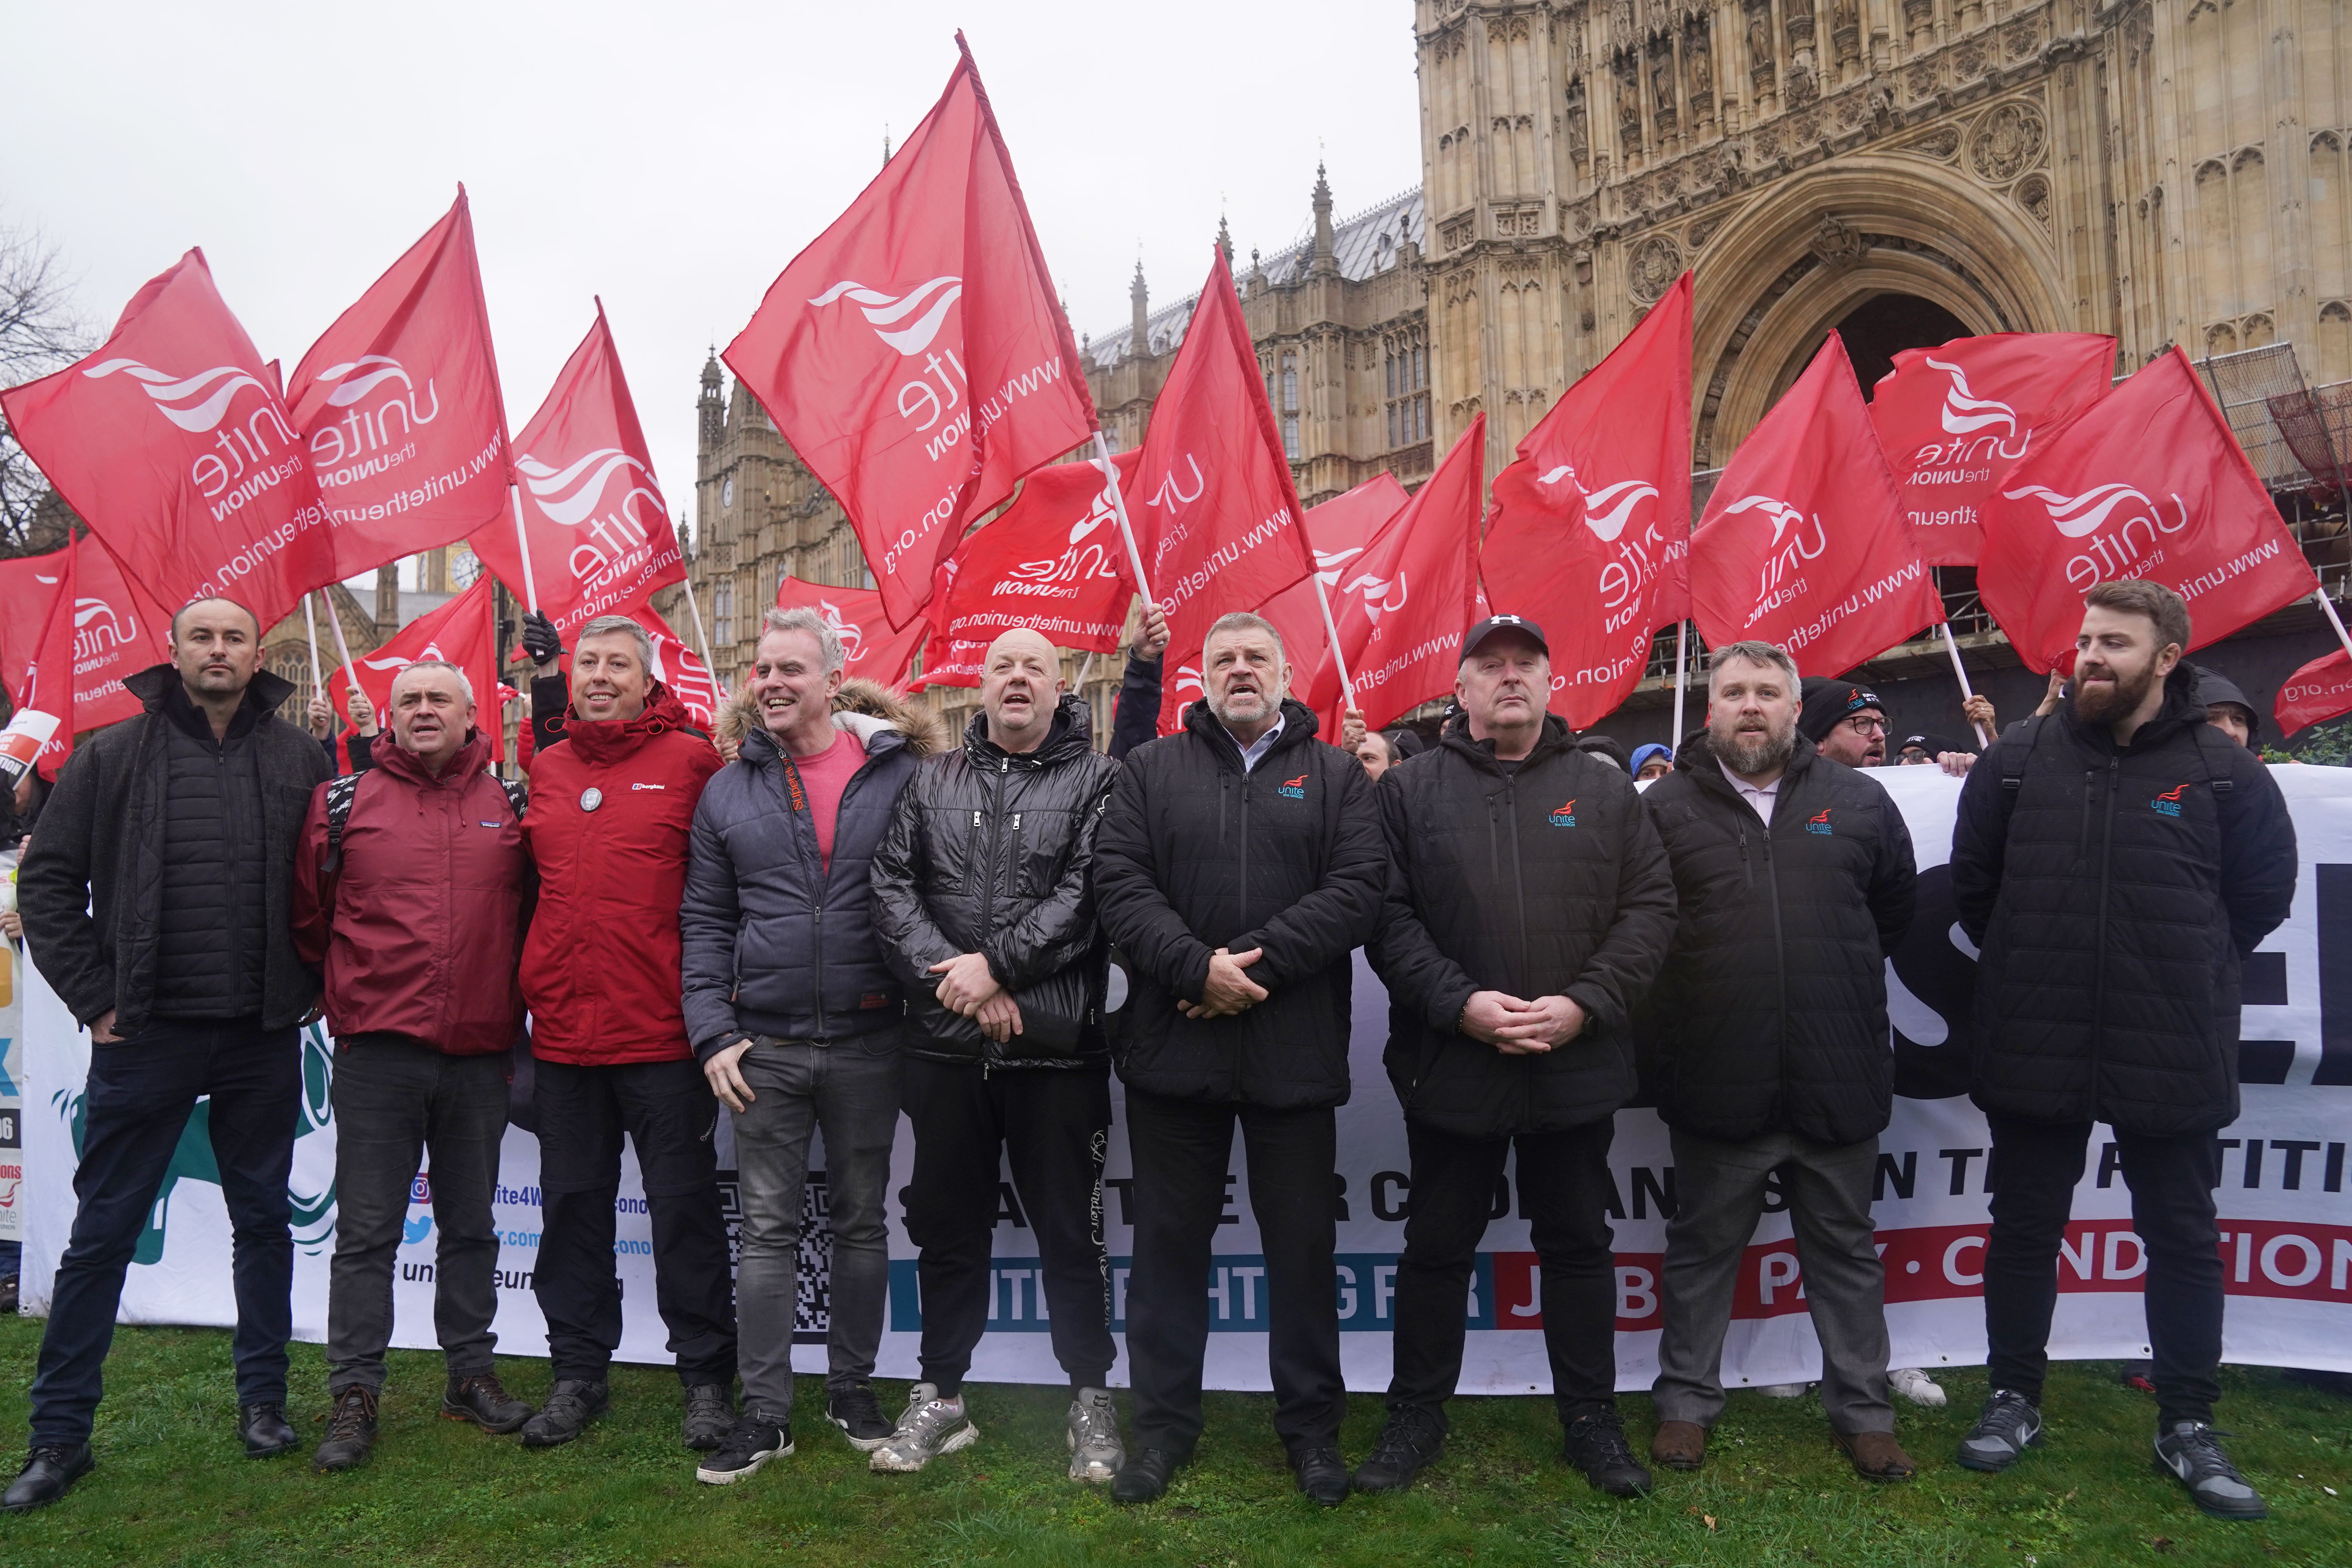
[(465, 569), (727, 491)]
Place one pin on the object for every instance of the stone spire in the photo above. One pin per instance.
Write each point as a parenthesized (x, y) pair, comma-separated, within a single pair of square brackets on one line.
[(1224, 240), (1323, 261), (1139, 294), (710, 409)]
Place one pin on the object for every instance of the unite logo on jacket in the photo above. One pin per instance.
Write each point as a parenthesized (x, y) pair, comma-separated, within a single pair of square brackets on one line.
[(1820, 824), (1295, 788), (1564, 816), (2169, 802)]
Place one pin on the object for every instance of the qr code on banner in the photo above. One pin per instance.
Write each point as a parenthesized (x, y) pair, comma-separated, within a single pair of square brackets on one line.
[(813, 1270)]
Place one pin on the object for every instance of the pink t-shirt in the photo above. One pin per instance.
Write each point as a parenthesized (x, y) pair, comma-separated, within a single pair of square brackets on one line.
[(826, 775)]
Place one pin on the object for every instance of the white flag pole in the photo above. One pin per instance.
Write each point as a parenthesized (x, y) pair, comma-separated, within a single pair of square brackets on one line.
[(343, 648), (522, 543), (1681, 663), (1086, 667), (1126, 531), (1330, 630), (694, 607), (2327, 607), (310, 630), (1953, 648)]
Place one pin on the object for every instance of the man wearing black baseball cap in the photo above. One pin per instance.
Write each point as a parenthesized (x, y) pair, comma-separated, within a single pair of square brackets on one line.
[(1845, 721)]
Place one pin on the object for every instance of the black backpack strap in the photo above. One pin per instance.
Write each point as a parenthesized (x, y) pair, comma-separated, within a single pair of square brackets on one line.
[(340, 791), (2013, 758), (2218, 763)]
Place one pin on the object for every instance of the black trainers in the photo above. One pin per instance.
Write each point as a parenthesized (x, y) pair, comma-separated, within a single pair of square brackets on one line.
[(46, 1475), (1407, 1446), (350, 1430), (751, 1442), (2011, 1425), (710, 1417), (1322, 1475), (2190, 1451), (265, 1429), (853, 1407), (481, 1398), (1145, 1475), (1596, 1445), (572, 1403)]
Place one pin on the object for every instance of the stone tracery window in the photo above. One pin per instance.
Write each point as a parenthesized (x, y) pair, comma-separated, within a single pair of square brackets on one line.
[(1407, 373)]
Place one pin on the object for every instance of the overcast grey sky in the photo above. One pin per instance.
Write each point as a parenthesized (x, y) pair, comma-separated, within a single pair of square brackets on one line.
[(671, 158)]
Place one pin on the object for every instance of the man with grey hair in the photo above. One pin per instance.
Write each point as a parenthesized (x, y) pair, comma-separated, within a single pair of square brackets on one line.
[(411, 894), (1241, 863), (1766, 1042), (614, 787), (797, 1019)]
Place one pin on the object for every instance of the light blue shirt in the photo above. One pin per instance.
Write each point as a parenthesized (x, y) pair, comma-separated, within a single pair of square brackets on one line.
[(1255, 753)]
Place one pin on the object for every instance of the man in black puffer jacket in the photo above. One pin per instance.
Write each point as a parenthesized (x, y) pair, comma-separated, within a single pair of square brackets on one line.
[(1769, 1047), (158, 899), (983, 897), (2114, 861), (1241, 863), (1529, 912), (796, 1017)]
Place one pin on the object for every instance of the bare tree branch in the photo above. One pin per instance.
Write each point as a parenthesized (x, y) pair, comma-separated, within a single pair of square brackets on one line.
[(41, 330)]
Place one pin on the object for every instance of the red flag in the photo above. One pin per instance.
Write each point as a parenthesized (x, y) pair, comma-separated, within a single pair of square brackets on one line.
[(1591, 529), (914, 355), (172, 445), (28, 586), (463, 632), (601, 539), (2320, 691), (679, 668), (1054, 561), (1802, 544), (399, 405), (1401, 606), (1338, 531), (1953, 419), (1215, 513), (98, 627), (2150, 483), (874, 651)]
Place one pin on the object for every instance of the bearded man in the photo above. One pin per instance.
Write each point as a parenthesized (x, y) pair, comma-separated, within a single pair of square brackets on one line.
[(2114, 861), (1769, 1048)]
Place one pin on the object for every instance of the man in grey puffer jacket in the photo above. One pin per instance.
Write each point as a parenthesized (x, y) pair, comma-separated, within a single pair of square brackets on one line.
[(796, 1019)]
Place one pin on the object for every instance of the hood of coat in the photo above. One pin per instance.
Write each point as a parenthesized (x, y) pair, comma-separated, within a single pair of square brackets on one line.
[(609, 740), (398, 760), (1556, 736), (150, 685), (1071, 735), (1297, 728), (879, 722)]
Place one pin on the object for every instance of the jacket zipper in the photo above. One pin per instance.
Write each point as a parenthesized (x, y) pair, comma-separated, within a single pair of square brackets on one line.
[(2099, 965), (1780, 957), (987, 875), (815, 858), (1526, 978)]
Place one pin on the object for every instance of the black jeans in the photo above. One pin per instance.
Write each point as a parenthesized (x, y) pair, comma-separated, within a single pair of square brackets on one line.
[(2035, 1165), (138, 1099), (394, 1100), (1565, 1192), (668, 1112), (1179, 1148), (1056, 1123)]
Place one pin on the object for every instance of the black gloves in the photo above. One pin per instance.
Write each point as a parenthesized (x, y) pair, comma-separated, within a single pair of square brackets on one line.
[(539, 639)]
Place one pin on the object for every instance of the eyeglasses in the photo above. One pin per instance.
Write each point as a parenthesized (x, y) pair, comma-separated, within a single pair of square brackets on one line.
[(1862, 726)]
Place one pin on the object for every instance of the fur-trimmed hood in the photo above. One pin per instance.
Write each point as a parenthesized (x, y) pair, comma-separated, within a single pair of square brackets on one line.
[(926, 731)]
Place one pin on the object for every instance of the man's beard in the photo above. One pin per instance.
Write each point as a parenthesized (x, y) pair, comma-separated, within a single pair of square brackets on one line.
[(1222, 707), (1756, 753), (2106, 705)]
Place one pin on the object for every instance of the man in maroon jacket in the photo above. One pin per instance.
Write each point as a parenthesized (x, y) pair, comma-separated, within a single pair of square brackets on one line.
[(411, 889)]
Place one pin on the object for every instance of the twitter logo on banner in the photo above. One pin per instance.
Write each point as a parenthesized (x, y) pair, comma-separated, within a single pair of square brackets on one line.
[(416, 1229)]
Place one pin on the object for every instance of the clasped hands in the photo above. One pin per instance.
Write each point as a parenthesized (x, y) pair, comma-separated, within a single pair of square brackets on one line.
[(967, 988), (1228, 989), (1519, 1029)]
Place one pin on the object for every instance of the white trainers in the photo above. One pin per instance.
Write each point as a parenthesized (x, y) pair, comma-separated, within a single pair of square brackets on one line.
[(1782, 1390), (1916, 1387), (1097, 1451), (929, 1427)]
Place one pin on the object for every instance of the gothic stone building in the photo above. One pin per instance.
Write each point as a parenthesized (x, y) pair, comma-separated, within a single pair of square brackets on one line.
[(1905, 171)]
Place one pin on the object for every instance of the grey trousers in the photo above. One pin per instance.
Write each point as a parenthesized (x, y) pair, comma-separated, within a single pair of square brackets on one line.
[(849, 1088), (395, 1099), (1719, 1190)]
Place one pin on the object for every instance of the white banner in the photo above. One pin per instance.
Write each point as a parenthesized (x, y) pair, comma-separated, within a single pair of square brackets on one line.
[(2286, 1240)]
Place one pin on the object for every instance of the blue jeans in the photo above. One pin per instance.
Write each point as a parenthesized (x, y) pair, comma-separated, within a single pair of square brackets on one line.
[(139, 1094), (850, 1089)]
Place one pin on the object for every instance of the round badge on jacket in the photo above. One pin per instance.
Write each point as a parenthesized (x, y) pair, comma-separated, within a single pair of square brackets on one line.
[(591, 798)]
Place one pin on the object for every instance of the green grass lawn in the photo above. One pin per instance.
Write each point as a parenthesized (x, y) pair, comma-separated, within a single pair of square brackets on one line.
[(173, 1485)]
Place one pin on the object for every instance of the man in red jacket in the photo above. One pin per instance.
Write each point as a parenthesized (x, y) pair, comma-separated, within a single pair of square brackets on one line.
[(410, 889), (613, 800)]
